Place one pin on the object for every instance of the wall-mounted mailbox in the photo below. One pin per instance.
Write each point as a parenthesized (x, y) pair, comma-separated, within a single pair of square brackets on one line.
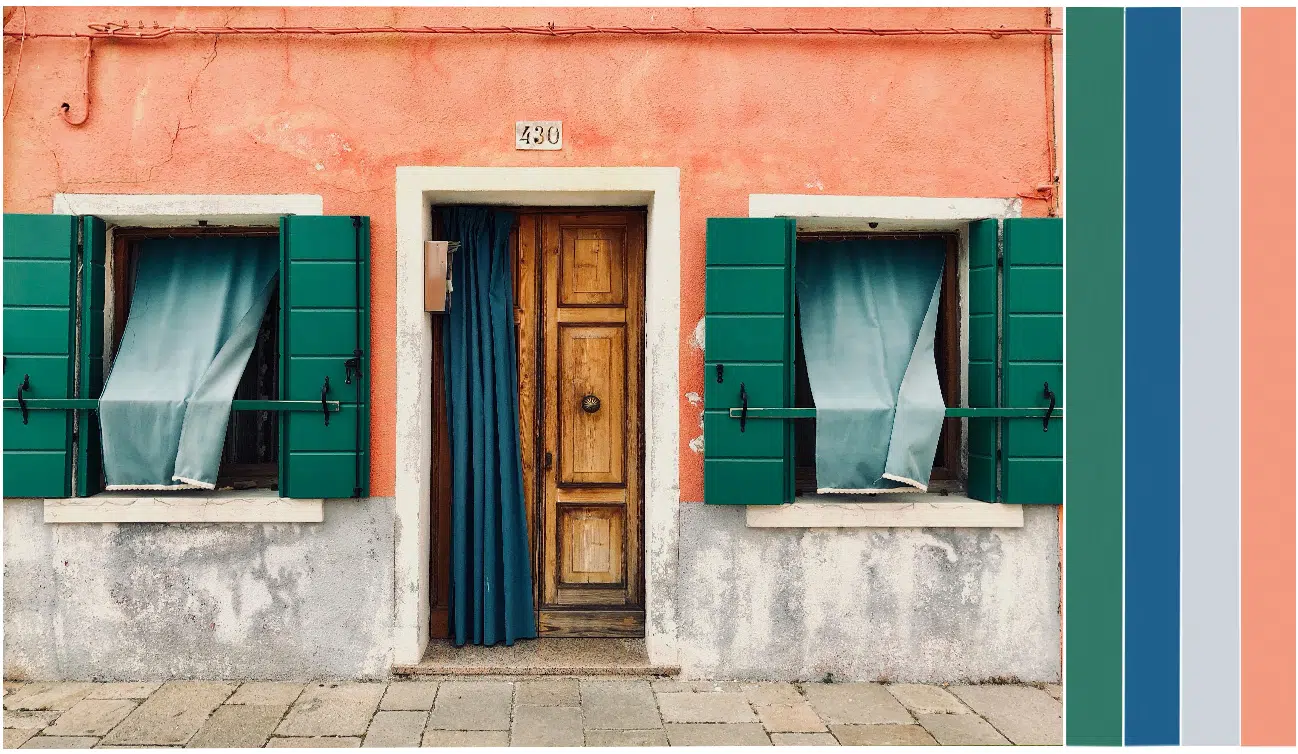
[(437, 282)]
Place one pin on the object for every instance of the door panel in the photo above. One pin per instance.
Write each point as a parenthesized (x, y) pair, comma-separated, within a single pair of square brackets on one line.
[(592, 437), (591, 521), (591, 539), (592, 271)]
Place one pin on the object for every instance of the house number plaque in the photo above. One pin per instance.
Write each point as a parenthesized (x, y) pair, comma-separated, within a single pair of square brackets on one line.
[(538, 134)]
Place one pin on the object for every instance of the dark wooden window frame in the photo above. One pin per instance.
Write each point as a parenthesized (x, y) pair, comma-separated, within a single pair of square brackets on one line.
[(946, 475), (263, 474)]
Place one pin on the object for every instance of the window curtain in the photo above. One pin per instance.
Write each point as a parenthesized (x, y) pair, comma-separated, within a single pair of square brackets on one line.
[(195, 312), (491, 573), (867, 314)]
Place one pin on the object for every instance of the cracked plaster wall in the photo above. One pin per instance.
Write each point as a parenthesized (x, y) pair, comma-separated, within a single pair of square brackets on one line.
[(120, 602), (921, 605)]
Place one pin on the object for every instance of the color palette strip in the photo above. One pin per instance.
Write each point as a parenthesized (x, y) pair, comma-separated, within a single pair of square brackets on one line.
[(1153, 388), (1180, 338), (1093, 106), (1267, 376), (1210, 375)]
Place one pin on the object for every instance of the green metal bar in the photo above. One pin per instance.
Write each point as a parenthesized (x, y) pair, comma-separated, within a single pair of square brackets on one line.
[(72, 404), (54, 404), (284, 405), (951, 413)]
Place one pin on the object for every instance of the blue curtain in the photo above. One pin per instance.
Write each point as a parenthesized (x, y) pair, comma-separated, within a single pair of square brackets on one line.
[(195, 311), (491, 573), (867, 312)]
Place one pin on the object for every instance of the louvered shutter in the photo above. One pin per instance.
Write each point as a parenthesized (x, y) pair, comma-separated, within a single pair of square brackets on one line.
[(39, 331), (324, 335), (983, 381), (1032, 356), (749, 341), (90, 458)]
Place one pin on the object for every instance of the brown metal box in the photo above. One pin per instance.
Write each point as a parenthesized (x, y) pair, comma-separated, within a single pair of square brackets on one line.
[(435, 275)]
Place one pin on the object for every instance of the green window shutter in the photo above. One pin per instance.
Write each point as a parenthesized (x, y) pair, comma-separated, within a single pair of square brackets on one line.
[(983, 393), (1032, 354), (324, 325), (90, 459), (39, 330), (749, 343)]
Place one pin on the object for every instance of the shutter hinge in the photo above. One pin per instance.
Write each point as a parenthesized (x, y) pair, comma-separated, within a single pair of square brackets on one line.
[(356, 221)]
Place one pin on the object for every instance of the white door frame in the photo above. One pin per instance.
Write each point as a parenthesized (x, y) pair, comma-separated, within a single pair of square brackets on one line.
[(418, 190)]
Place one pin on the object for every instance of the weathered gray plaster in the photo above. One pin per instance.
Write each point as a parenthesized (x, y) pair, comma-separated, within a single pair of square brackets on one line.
[(124, 602), (921, 605)]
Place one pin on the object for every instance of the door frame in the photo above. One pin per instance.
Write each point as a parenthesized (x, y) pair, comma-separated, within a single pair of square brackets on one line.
[(657, 190)]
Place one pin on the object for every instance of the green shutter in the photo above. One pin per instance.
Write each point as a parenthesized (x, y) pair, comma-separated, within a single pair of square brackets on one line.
[(39, 321), (983, 392), (749, 338), (1032, 355), (90, 459), (324, 321)]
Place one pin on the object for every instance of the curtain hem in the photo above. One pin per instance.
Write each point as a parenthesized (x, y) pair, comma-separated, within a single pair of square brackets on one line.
[(874, 490), (146, 487)]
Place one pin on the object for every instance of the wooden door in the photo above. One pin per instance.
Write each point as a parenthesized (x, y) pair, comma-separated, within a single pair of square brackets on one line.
[(590, 523), (578, 314)]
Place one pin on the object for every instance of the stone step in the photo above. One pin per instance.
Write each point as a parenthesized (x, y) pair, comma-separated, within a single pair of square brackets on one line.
[(566, 657)]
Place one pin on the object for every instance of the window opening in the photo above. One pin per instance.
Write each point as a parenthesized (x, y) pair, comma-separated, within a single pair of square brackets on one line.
[(250, 453), (946, 476)]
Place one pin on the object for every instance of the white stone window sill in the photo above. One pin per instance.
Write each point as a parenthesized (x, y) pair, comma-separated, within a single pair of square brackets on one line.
[(891, 510), (224, 506)]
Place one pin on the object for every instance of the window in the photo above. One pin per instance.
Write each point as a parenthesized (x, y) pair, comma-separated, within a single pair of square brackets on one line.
[(301, 406), (946, 462), (758, 436)]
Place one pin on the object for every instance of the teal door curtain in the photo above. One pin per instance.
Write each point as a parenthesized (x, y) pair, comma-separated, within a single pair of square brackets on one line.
[(491, 573), (195, 312), (867, 316)]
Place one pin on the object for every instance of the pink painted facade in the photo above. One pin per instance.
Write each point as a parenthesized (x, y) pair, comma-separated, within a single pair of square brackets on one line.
[(905, 116)]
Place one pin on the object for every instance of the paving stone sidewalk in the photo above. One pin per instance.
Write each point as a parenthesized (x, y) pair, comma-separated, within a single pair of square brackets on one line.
[(524, 712)]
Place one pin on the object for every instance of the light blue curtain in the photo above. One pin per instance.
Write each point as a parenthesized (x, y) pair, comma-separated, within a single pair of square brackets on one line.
[(491, 572), (867, 312), (195, 312)]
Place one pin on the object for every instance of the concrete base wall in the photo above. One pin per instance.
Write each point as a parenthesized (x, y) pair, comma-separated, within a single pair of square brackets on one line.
[(121, 602), (937, 605), (315, 601)]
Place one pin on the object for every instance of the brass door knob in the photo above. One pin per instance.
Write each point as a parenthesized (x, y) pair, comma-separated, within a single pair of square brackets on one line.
[(590, 404)]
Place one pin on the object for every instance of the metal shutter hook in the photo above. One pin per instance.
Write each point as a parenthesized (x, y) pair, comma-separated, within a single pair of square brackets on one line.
[(1045, 423), (743, 401), (22, 404), (324, 404)]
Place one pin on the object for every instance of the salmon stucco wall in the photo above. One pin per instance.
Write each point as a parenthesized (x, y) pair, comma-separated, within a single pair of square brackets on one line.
[(334, 116)]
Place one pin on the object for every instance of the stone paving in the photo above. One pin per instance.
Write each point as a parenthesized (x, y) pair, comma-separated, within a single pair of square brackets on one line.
[(524, 712)]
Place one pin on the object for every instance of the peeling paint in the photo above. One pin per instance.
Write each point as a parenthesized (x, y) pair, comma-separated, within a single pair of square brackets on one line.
[(694, 398), (696, 444), (698, 339), (238, 601), (932, 605)]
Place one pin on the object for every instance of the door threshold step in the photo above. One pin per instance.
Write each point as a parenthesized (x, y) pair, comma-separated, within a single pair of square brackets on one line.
[(534, 657)]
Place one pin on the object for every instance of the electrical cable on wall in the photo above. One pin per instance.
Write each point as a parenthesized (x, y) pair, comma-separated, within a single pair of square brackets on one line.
[(125, 33)]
